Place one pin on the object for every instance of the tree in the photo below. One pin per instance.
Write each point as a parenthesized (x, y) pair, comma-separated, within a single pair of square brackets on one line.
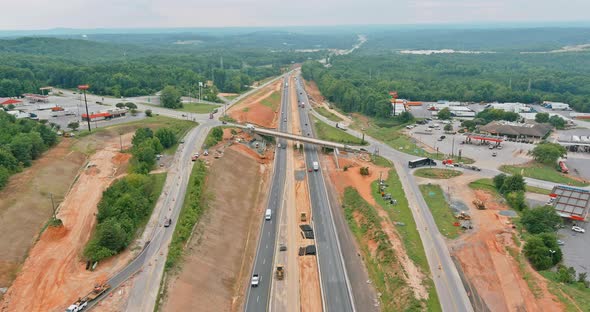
[(499, 181), (217, 133), (448, 128), (8, 161), (148, 112), (566, 275), (542, 117), (444, 114), (21, 147), (516, 200), (513, 183), (120, 105), (170, 97), (405, 117), (540, 220), (364, 171), (537, 253), (166, 137), (4, 175), (548, 153), (74, 125), (557, 122), (141, 135), (130, 105)]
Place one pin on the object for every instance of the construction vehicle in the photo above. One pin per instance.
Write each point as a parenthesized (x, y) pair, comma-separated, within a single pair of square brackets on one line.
[(81, 303), (479, 204), (280, 271), (303, 217), (463, 216)]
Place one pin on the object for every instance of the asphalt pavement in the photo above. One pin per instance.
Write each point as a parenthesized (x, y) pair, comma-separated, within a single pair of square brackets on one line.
[(257, 298), (335, 285)]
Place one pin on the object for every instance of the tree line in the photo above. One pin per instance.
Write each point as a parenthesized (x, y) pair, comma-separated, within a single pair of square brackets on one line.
[(21, 142), (361, 82)]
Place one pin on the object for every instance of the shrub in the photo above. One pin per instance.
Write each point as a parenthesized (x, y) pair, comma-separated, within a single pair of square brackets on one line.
[(540, 220), (364, 171)]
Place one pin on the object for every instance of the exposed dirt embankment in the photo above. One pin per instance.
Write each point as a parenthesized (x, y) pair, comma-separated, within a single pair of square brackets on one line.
[(252, 110)]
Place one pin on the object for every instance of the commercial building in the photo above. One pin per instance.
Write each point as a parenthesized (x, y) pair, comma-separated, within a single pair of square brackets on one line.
[(9, 101), (531, 117), (529, 130), (397, 108), (570, 202)]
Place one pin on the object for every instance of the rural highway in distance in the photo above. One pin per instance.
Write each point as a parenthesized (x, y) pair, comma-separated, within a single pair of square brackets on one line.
[(335, 286), (257, 298)]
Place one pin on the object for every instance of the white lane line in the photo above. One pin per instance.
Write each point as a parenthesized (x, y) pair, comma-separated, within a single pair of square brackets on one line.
[(264, 261)]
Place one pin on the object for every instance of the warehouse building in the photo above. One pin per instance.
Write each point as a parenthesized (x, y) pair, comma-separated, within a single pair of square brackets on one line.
[(511, 107)]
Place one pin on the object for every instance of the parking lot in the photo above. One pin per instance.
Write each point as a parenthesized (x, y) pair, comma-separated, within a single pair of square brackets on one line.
[(73, 105), (511, 152), (575, 252)]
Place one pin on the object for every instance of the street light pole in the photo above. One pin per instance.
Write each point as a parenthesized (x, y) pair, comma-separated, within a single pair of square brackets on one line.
[(84, 88)]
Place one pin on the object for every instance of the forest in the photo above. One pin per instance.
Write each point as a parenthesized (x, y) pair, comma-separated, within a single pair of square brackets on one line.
[(360, 82)]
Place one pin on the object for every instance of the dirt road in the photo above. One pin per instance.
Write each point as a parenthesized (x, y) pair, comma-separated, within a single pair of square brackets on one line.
[(54, 274), (215, 267)]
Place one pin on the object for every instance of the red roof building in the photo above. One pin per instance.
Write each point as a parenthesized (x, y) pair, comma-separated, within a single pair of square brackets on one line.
[(9, 101)]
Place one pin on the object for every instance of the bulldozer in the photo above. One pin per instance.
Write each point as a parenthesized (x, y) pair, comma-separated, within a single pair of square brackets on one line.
[(280, 272), (303, 217), (463, 216), (479, 204)]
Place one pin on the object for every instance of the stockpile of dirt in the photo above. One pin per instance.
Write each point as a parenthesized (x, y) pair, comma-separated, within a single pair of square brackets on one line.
[(221, 251), (251, 110)]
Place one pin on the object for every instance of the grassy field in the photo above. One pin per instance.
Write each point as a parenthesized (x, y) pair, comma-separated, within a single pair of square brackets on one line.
[(329, 133), (542, 172), (180, 128), (441, 211), (198, 108), (381, 161), (193, 207), (231, 97), (408, 232), (273, 100), (577, 291), (538, 190), (392, 136), (326, 113), (484, 184), (435, 173)]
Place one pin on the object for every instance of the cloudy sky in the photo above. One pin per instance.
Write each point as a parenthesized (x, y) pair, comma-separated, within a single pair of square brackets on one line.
[(44, 14)]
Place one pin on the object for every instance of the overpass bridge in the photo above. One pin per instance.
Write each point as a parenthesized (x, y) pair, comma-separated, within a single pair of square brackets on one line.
[(300, 138)]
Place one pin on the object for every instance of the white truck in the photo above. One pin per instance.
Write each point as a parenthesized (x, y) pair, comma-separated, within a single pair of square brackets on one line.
[(316, 166)]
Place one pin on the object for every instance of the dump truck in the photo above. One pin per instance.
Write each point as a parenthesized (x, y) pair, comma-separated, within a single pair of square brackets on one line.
[(280, 271), (303, 217), (479, 204), (463, 216)]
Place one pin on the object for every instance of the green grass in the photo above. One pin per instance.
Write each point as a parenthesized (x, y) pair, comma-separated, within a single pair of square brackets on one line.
[(392, 136), (441, 211), (273, 100), (329, 133), (408, 232), (542, 172), (326, 113), (436, 173), (381, 161), (231, 97), (485, 185), (538, 190), (180, 128), (192, 209), (578, 292), (198, 108)]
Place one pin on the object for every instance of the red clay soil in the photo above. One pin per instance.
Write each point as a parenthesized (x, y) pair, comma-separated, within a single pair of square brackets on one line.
[(488, 266), (314, 92), (54, 275), (251, 110)]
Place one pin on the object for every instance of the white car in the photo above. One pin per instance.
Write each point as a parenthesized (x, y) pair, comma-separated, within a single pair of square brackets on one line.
[(255, 280), (578, 229)]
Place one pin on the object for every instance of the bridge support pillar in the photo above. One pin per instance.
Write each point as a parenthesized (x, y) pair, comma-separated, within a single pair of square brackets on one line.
[(336, 158)]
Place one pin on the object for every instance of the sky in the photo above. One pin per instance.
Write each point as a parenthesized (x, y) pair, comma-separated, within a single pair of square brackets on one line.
[(48, 14)]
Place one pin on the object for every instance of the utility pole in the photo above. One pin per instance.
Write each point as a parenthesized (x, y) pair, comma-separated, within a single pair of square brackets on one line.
[(84, 88)]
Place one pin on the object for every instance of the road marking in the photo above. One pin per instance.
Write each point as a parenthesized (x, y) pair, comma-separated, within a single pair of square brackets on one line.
[(266, 246), (257, 298), (264, 261)]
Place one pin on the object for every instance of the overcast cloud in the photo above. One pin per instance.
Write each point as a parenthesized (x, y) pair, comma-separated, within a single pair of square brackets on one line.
[(44, 14)]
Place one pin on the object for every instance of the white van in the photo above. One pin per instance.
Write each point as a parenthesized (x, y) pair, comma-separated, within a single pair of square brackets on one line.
[(268, 214)]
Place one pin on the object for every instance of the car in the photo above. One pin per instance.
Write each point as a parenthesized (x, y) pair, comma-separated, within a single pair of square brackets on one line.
[(285, 120), (499, 147), (224, 122), (475, 168), (181, 141), (206, 153), (279, 145), (560, 242), (167, 222), (255, 280), (491, 147), (578, 229), (494, 154)]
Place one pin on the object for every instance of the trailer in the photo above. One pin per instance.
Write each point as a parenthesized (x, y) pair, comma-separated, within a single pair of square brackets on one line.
[(81, 303)]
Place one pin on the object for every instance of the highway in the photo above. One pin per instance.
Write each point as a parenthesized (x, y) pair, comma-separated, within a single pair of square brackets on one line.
[(257, 298), (335, 286)]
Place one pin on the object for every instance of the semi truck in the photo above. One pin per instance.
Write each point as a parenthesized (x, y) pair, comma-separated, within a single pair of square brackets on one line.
[(82, 303), (421, 162)]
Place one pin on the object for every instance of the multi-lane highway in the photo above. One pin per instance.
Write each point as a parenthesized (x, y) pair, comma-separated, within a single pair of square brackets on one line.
[(335, 286), (257, 298)]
